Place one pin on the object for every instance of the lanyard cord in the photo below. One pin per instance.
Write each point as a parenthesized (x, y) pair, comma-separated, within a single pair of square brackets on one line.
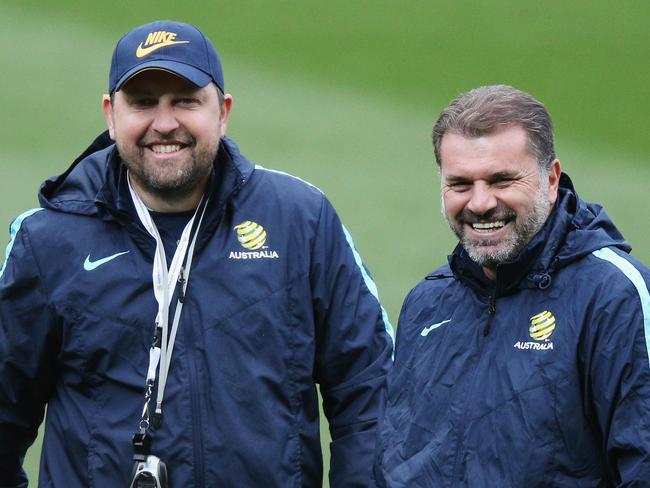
[(164, 283), (182, 280)]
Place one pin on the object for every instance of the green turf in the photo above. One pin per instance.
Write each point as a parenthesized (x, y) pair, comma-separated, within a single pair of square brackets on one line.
[(344, 94)]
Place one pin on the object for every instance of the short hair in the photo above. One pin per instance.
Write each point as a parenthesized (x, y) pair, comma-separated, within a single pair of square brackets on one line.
[(485, 109), (221, 97)]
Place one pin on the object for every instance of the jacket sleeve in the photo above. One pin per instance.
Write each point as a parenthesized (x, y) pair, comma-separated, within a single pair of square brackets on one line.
[(26, 357), (617, 365), (354, 346)]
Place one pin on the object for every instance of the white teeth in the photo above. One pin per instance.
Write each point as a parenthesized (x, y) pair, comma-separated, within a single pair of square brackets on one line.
[(168, 148), (486, 226)]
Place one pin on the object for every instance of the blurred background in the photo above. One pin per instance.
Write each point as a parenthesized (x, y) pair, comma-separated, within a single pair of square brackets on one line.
[(344, 95)]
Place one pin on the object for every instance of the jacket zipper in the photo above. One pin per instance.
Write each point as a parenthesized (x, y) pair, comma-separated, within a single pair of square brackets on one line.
[(486, 331), (492, 308), (195, 398)]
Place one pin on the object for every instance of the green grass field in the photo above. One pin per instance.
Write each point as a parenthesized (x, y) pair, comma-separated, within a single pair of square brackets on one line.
[(344, 94)]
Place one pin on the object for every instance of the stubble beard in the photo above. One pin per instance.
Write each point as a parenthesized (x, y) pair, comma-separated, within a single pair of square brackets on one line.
[(170, 179), (489, 253)]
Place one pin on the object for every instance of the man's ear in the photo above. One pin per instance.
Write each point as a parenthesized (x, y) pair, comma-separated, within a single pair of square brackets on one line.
[(107, 107), (554, 173), (225, 113)]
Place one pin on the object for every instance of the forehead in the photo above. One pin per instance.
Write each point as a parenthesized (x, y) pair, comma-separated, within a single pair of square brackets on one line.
[(505, 149)]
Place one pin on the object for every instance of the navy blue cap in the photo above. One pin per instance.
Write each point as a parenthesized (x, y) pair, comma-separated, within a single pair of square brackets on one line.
[(179, 48)]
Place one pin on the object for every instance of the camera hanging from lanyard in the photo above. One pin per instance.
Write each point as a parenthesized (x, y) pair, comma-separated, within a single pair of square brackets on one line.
[(148, 470)]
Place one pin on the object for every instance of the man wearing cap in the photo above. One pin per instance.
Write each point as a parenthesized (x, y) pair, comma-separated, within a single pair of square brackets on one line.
[(173, 304)]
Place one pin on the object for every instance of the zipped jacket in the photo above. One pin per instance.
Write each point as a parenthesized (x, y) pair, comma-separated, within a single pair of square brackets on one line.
[(262, 325), (540, 379)]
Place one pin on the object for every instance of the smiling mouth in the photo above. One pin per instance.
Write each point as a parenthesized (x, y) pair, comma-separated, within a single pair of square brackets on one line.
[(487, 227), (165, 148)]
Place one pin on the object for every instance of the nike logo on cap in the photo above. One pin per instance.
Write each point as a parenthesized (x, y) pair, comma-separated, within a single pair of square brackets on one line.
[(141, 52), (156, 40), (90, 265), (426, 330)]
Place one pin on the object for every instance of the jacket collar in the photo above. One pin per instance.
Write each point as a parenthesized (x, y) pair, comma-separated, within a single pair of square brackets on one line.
[(95, 184), (98, 177)]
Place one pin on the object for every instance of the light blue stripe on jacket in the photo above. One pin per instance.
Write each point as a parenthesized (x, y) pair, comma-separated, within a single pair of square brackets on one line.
[(635, 277), (13, 231), (370, 284)]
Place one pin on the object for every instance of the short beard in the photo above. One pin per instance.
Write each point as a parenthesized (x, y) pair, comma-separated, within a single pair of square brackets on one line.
[(512, 246), (184, 183), (186, 179)]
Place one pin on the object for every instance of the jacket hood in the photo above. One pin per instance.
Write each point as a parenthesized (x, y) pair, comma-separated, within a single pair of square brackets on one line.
[(574, 229), (95, 183), (590, 228)]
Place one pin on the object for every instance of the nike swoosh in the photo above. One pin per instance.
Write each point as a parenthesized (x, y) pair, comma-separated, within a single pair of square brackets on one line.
[(426, 330), (141, 52), (90, 265)]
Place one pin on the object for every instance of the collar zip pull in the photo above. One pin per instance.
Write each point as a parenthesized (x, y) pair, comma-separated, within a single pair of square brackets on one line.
[(542, 281), (492, 308)]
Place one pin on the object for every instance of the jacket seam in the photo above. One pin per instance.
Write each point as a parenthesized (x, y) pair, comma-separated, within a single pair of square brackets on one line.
[(46, 292), (248, 304), (521, 392), (317, 226), (294, 400)]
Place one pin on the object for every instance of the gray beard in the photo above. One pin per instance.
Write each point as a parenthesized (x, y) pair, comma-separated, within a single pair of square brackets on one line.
[(523, 233)]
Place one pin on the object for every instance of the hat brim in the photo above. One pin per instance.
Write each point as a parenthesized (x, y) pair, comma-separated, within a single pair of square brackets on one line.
[(190, 73)]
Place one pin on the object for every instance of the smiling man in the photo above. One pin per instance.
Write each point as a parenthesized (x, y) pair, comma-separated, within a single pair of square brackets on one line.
[(495, 196), (523, 362), (176, 307), (167, 133)]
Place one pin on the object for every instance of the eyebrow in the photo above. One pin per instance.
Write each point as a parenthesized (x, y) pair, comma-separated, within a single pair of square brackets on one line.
[(456, 179), (499, 175)]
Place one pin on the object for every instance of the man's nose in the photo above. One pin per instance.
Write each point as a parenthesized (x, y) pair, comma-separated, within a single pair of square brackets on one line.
[(482, 199), (165, 120)]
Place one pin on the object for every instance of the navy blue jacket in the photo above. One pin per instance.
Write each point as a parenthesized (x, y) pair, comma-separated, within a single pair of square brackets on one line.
[(541, 379), (259, 329)]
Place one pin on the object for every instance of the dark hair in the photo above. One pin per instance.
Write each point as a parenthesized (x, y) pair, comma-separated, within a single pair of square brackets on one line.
[(485, 109)]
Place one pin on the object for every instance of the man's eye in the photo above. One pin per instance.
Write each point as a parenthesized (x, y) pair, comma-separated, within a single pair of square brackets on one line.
[(459, 185), (502, 182), (143, 102), (188, 102)]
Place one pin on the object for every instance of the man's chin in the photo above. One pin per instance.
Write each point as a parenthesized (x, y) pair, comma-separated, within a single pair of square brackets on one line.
[(484, 247), (487, 254)]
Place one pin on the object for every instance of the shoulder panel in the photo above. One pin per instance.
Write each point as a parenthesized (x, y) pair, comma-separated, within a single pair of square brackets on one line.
[(13, 231), (637, 280)]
